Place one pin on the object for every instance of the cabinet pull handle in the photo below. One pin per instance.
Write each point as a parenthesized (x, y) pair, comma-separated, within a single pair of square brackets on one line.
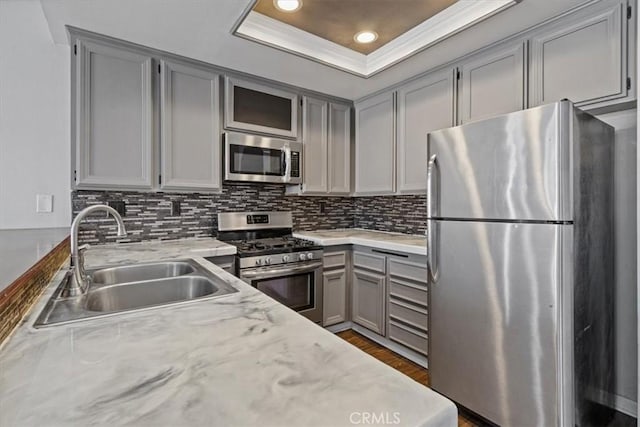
[(380, 251)]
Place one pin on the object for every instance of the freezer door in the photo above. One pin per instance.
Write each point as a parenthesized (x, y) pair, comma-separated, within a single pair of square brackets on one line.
[(515, 167), (494, 320)]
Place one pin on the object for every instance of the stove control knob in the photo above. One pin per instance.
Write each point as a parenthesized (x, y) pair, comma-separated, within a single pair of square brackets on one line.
[(267, 261), (286, 258), (259, 261), (310, 255), (303, 257)]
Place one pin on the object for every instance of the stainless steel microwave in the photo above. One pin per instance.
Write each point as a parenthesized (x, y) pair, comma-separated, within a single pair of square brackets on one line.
[(261, 159)]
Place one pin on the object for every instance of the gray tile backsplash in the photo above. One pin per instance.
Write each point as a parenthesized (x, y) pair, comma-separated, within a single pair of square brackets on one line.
[(149, 215)]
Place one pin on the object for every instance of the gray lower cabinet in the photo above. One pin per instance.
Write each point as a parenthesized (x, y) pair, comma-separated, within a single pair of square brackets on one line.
[(335, 293), (583, 58), (334, 296), (190, 137), (113, 105), (326, 134), (407, 304), (375, 145), (492, 83), (424, 105), (369, 291)]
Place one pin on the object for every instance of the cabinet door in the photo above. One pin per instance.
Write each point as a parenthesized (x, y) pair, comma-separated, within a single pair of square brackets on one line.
[(190, 139), (375, 145), (582, 58), (423, 106), (493, 83), (334, 303), (114, 126), (368, 300), (314, 138), (339, 149), (259, 108)]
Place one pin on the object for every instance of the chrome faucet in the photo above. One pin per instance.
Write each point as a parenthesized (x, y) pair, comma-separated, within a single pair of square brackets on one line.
[(80, 281)]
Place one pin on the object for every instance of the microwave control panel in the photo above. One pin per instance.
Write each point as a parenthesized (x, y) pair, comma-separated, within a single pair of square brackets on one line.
[(295, 164)]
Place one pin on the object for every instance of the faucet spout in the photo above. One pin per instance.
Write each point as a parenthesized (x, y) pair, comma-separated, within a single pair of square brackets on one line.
[(79, 284)]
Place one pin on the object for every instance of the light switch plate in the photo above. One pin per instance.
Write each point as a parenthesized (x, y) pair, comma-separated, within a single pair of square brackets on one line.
[(44, 203)]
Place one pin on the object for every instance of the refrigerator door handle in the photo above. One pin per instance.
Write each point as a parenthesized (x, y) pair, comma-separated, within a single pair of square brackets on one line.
[(433, 210)]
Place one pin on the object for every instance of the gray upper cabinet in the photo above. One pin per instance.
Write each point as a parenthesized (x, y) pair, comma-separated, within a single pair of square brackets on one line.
[(190, 137), (424, 105), (582, 58), (314, 138), (326, 134), (339, 150), (492, 83), (259, 108), (375, 145), (113, 118)]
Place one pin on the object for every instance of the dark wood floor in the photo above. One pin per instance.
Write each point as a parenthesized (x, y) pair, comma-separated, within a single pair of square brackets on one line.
[(403, 365)]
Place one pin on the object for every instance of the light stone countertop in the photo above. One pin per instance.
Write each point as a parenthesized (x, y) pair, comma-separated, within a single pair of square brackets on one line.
[(127, 253), (407, 243), (238, 360), (21, 249)]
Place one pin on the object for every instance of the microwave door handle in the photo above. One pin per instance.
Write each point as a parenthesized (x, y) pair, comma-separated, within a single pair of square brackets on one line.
[(265, 274), (287, 164)]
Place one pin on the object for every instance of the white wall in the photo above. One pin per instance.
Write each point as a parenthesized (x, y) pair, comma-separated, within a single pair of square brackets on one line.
[(34, 118), (625, 228)]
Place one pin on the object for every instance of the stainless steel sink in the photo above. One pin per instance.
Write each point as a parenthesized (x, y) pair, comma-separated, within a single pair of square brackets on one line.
[(139, 272), (133, 287), (130, 296)]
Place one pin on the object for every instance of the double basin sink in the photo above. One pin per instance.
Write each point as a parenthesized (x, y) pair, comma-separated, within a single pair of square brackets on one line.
[(133, 287)]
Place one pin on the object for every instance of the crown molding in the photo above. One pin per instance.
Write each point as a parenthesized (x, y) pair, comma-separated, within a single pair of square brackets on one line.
[(457, 17)]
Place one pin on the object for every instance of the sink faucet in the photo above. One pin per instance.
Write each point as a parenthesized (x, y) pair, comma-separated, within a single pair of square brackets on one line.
[(80, 282)]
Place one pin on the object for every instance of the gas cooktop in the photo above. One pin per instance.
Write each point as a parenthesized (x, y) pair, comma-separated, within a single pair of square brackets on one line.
[(268, 246)]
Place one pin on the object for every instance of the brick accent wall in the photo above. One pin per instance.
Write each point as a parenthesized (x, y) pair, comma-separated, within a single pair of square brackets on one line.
[(19, 297)]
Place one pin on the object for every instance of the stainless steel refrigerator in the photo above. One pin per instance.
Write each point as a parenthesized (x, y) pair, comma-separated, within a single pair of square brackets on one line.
[(520, 257)]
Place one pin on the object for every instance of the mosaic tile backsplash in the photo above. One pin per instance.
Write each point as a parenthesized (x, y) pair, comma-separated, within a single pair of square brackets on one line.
[(149, 217), (400, 214)]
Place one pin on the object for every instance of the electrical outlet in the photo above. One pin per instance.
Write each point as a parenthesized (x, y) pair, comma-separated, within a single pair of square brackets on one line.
[(176, 209), (44, 203), (119, 206)]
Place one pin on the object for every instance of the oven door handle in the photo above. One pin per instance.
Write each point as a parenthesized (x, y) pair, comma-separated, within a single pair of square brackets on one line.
[(265, 274)]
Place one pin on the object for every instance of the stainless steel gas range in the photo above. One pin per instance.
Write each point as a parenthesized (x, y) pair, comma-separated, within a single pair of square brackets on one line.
[(270, 259)]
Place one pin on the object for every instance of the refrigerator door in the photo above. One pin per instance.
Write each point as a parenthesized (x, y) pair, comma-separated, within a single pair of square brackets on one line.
[(511, 167), (494, 320)]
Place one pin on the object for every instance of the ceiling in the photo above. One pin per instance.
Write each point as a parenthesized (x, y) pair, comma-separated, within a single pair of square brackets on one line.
[(202, 29), (338, 20)]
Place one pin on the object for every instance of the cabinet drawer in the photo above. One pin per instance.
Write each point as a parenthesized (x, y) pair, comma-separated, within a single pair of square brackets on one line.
[(409, 337), (408, 291), (408, 270), (369, 262), (406, 313), (334, 259)]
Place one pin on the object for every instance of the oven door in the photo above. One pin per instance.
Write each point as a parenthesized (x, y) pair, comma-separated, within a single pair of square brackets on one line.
[(298, 287)]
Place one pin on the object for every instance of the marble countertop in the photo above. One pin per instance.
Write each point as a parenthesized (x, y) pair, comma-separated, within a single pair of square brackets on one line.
[(127, 253), (238, 360), (407, 243), (22, 249)]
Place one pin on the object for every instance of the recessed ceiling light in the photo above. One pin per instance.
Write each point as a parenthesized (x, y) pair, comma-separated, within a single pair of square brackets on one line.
[(366, 36), (287, 5)]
